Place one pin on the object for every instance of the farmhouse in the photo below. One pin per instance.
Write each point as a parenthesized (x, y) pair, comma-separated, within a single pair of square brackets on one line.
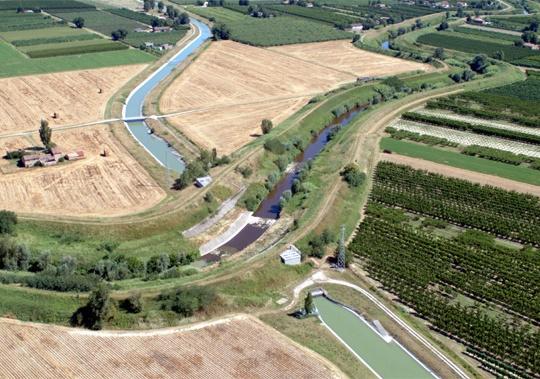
[(292, 256), (478, 21), (357, 27), (531, 46)]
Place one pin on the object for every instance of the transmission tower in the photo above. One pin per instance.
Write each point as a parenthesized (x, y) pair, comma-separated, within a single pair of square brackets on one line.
[(341, 250)]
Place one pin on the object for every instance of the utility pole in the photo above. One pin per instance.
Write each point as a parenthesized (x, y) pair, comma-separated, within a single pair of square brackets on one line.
[(341, 250)]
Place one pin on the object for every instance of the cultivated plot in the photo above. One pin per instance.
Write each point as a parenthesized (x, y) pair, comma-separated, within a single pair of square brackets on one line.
[(75, 96), (342, 55), (239, 347), (228, 131), (103, 185)]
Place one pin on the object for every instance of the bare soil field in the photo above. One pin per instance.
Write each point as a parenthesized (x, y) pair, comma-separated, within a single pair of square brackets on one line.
[(73, 95), (459, 173), (95, 186), (342, 55), (228, 129), (231, 87), (237, 347)]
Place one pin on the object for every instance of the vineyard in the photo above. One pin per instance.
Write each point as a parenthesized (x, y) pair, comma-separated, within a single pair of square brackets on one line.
[(448, 40), (274, 31), (467, 285), (318, 14), (517, 102), (506, 214)]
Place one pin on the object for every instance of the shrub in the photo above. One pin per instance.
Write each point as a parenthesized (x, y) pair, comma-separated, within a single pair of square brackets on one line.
[(275, 146), (132, 304), (266, 126), (187, 301), (352, 175), (8, 220)]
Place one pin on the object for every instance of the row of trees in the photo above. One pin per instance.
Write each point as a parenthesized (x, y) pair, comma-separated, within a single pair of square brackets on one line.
[(428, 273), (508, 214)]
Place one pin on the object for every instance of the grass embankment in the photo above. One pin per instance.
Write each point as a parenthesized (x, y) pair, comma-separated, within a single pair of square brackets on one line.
[(455, 159)]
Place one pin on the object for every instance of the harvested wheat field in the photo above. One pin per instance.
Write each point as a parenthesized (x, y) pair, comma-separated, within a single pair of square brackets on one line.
[(342, 55), (226, 130), (231, 87), (237, 347), (94, 186), (232, 73), (73, 95)]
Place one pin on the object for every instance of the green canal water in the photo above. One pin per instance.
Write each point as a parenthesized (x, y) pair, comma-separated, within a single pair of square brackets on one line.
[(387, 360)]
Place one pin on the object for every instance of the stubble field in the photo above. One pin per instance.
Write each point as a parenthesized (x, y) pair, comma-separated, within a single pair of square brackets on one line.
[(95, 186), (223, 97), (238, 347), (74, 96)]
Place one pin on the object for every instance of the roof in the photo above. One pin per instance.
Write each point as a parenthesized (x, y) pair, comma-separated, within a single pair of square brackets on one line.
[(292, 252), (204, 180)]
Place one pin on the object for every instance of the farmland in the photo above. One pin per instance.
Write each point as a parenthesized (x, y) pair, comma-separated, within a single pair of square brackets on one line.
[(95, 186), (273, 31), (274, 83), (343, 56), (516, 102), (447, 40), (239, 346), (73, 95), (101, 21), (455, 287), (472, 164)]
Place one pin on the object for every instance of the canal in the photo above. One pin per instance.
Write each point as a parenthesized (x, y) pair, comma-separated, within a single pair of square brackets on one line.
[(387, 360)]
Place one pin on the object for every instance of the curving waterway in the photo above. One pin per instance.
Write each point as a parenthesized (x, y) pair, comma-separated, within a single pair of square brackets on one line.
[(133, 109)]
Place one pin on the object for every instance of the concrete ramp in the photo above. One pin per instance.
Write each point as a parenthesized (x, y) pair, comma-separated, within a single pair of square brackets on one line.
[(229, 234)]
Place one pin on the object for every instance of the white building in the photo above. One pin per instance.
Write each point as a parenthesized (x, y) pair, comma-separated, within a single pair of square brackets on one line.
[(203, 181), (292, 256)]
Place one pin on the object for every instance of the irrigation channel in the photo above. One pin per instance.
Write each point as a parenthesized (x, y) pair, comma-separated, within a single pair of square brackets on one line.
[(269, 210), (133, 109), (370, 343)]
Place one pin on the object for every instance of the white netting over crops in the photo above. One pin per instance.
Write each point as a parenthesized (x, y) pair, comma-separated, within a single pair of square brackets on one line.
[(480, 121), (466, 138)]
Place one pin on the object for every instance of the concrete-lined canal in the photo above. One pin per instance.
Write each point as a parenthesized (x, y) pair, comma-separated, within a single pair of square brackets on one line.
[(158, 147), (388, 360)]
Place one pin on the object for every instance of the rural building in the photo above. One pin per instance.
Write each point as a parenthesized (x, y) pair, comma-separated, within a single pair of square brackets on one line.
[(142, 30), (478, 21), (75, 155), (165, 47), (162, 29), (203, 181), (30, 160), (292, 256), (531, 46), (357, 27)]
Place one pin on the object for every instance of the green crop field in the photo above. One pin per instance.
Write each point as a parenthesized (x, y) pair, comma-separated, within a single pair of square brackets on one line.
[(318, 14), (515, 23), (10, 20), (455, 159), (44, 4), (281, 30), (484, 35), (73, 48), (102, 22), (448, 40), (14, 63), (53, 32)]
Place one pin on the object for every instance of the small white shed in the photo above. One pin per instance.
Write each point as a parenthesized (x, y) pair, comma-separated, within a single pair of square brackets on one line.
[(292, 256), (203, 181)]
